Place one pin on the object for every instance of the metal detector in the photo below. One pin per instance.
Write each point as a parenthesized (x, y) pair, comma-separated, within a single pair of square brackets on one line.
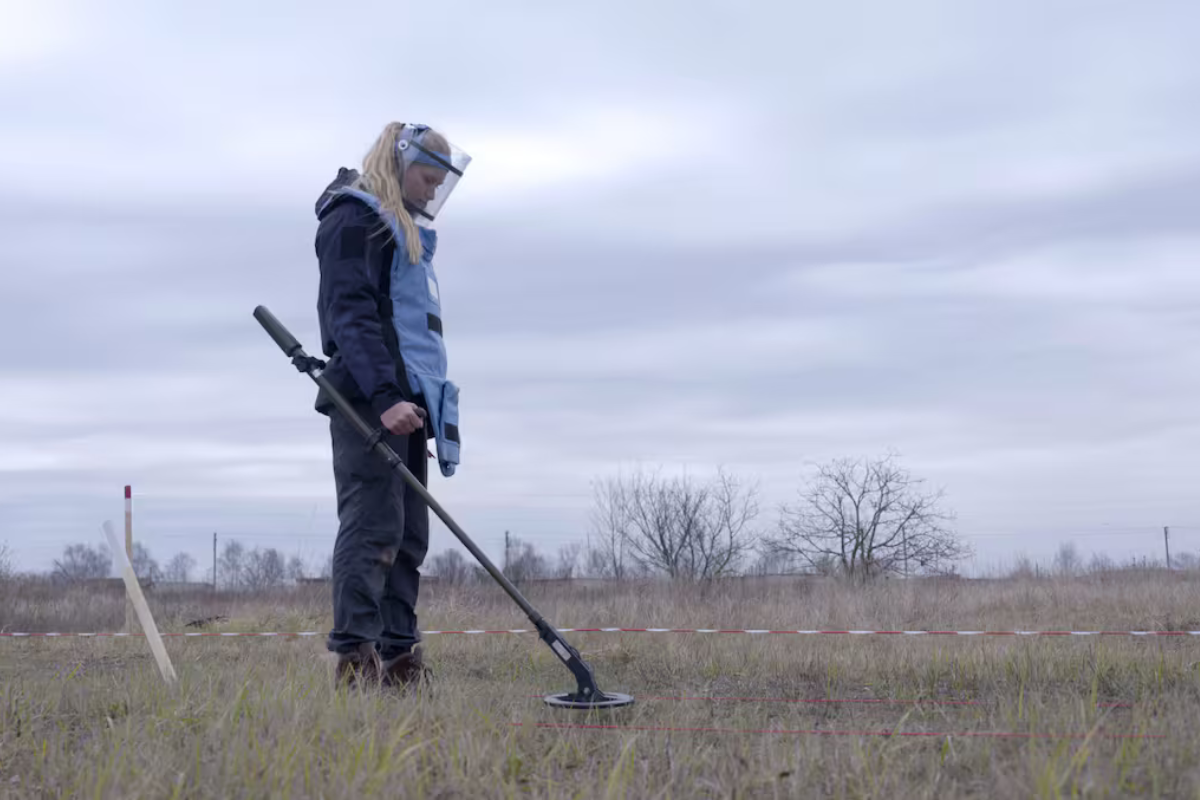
[(587, 695)]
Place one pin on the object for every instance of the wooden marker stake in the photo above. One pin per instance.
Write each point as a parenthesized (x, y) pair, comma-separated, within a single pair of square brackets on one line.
[(134, 591), (129, 612)]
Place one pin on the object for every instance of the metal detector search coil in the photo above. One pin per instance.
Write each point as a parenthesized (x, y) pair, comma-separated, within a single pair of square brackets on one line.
[(587, 694)]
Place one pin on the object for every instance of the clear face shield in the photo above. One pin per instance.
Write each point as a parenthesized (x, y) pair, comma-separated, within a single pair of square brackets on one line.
[(430, 167)]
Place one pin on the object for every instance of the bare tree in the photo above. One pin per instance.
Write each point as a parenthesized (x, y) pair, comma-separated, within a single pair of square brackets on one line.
[(681, 527), (760, 567), (568, 561), (144, 565), (599, 562), (826, 565), (525, 562), (607, 555), (265, 569), (651, 523), (82, 562), (1101, 563), (6, 562), (767, 562), (721, 531), (252, 570), (870, 518), (1023, 567), (179, 568), (450, 567), (1183, 561), (231, 566), (296, 570), (1067, 561)]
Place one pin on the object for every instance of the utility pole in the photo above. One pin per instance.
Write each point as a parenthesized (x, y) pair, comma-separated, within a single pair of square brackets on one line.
[(1167, 543), (506, 545), (214, 562)]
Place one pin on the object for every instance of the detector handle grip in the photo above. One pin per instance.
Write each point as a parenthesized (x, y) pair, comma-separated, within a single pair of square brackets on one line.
[(276, 330)]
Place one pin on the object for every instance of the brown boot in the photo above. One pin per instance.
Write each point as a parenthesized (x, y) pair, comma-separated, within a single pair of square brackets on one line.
[(359, 667), (406, 670)]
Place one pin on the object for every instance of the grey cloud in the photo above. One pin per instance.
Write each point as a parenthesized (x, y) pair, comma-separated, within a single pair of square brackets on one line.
[(966, 234)]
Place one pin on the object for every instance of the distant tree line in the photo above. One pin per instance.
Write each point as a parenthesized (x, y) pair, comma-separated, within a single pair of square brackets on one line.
[(859, 519), (1069, 562), (856, 518), (238, 568)]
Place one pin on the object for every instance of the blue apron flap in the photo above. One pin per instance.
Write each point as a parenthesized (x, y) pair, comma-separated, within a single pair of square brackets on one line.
[(441, 398), (448, 443)]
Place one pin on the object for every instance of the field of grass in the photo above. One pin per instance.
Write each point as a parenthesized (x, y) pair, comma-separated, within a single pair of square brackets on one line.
[(259, 718)]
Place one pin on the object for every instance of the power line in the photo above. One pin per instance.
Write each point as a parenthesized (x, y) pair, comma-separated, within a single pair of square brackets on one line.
[(1064, 533)]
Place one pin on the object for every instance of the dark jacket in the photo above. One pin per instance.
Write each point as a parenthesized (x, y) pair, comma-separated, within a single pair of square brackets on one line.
[(354, 306)]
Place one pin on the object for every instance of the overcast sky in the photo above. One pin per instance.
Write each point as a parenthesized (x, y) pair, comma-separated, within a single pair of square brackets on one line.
[(694, 233)]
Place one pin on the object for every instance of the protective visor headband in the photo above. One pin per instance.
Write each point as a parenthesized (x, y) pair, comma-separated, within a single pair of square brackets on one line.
[(413, 147), (427, 156)]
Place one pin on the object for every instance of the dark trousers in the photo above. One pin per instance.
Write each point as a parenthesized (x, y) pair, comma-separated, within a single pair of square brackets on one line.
[(383, 535)]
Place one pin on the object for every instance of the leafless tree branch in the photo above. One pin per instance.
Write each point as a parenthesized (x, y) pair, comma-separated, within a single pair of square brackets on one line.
[(871, 517), (680, 527)]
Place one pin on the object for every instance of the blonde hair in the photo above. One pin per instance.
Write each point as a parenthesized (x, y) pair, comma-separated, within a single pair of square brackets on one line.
[(381, 177)]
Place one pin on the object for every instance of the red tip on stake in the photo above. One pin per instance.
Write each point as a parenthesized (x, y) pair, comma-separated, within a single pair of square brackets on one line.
[(128, 492)]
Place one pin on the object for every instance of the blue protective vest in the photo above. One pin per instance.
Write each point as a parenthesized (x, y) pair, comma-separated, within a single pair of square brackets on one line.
[(417, 317)]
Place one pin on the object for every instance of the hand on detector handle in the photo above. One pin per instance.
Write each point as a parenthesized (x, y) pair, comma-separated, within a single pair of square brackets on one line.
[(403, 418)]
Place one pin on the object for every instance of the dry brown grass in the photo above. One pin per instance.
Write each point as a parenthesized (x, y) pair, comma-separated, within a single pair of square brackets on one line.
[(259, 717)]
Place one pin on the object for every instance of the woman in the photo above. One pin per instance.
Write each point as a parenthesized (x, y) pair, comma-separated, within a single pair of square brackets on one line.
[(380, 316)]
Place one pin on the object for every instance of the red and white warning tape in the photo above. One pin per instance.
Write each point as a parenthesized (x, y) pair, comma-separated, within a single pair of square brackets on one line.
[(858, 701), (229, 634), (833, 732), (843, 633)]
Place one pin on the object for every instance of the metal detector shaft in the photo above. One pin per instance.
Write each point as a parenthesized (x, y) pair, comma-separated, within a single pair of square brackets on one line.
[(314, 368)]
